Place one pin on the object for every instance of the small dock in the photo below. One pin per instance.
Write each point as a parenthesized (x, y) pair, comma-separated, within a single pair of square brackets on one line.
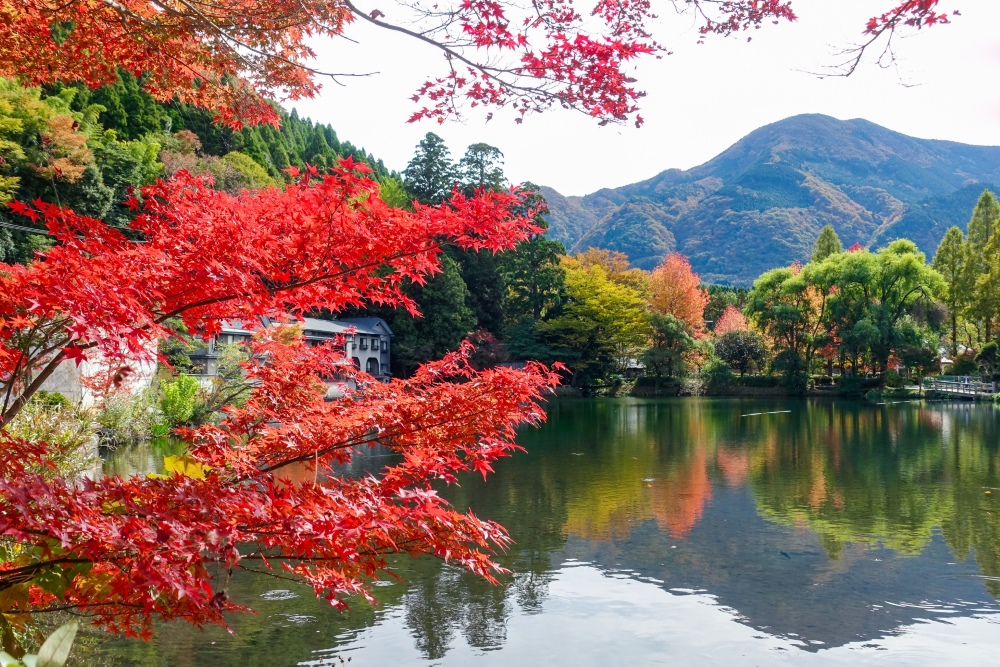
[(960, 386)]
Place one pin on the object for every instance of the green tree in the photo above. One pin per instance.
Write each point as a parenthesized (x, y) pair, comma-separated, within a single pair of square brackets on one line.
[(981, 306), (482, 167), (876, 296), (602, 326), (430, 175), (742, 350), (480, 271), (950, 262), (828, 243), (791, 307), (670, 343), (986, 292), (446, 321), (532, 273)]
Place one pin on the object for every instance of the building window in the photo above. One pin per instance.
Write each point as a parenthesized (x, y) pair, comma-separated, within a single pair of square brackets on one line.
[(372, 366), (357, 362), (385, 346), (364, 343), (374, 343)]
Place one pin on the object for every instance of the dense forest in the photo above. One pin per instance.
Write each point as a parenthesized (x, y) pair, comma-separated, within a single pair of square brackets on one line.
[(86, 150)]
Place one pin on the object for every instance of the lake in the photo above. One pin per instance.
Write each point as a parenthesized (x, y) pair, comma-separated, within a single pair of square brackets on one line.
[(683, 532)]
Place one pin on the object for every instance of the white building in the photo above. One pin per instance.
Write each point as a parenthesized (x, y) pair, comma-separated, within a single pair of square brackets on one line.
[(368, 343)]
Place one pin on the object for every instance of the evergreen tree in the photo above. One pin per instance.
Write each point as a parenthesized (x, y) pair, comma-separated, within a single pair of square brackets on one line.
[(480, 271), (828, 243), (981, 306), (430, 175), (950, 262), (986, 294), (445, 323), (532, 273), (482, 167)]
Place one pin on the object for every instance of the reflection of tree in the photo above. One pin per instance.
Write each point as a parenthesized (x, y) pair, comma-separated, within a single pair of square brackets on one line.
[(849, 472), (886, 475), (679, 503)]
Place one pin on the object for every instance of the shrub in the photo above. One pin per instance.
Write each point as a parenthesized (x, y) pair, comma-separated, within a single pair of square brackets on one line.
[(177, 404), (51, 399), (892, 379), (964, 364), (126, 418), (854, 386), (69, 431), (717, 375), (758, 381)]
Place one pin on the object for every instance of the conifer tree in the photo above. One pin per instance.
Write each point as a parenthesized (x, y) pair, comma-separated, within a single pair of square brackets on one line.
[(828, 243), (482, 167), (430, 175), (981, 229), (950, 262)]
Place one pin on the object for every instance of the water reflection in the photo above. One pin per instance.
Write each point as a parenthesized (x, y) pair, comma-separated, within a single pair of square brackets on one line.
[(817, 526)]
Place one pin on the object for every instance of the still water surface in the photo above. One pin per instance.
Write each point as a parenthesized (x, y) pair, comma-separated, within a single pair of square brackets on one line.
[(683, 532)]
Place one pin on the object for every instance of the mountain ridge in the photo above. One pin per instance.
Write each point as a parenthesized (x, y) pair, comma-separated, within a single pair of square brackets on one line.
[(761, 202)]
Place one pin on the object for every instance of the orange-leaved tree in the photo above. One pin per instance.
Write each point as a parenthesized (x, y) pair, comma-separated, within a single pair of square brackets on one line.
[(231, 55), (675, 289)]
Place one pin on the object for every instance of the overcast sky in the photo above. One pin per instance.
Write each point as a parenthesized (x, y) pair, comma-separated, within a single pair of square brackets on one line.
[(700, 100)]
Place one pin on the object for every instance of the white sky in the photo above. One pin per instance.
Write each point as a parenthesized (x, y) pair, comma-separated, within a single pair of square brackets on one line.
[(699, 100)]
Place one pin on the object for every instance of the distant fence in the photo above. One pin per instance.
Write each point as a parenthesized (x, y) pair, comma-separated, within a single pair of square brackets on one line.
[(959, 385)]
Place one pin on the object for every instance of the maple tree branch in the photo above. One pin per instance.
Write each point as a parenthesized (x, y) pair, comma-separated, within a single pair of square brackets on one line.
[(492, 72)]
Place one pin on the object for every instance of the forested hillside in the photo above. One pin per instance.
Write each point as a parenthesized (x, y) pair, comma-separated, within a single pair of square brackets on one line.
[(762, 202), (85, 149)]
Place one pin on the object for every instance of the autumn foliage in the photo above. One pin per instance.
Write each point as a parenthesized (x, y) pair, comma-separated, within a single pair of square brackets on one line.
[(730, 320), (231, 56), (128, 550), (131, 550), (675, 290)]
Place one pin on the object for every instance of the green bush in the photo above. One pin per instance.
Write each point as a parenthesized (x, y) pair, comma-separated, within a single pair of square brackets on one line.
[(717, 376), (822, 380), (51, 399), (892, 379), (854, 386), (178, 402), (758, 381), (965, 364), (648, 381)]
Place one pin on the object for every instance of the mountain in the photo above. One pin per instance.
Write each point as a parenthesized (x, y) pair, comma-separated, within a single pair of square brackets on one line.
[(762, 202)]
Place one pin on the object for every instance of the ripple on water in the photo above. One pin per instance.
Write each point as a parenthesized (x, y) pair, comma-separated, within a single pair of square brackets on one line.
[(279, 594)]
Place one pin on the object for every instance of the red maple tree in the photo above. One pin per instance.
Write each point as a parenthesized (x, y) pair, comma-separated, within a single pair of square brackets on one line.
[(131, 550), (232, 55)]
